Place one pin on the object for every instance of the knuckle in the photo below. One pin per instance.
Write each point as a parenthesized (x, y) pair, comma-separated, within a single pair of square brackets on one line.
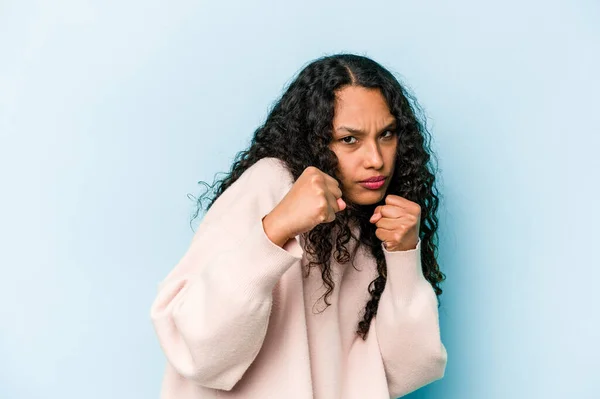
[(322, 205), (317, 178), (323, 210), (321, 217)]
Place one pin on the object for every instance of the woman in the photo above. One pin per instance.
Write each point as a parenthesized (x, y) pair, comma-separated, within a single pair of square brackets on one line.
[(337, 179)]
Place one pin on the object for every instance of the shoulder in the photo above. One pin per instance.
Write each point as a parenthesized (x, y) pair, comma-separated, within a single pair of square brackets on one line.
[(256, 191), (268, 174), (275, 167)]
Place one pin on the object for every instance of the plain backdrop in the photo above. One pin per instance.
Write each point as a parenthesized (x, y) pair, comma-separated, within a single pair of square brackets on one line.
[(112, 111)]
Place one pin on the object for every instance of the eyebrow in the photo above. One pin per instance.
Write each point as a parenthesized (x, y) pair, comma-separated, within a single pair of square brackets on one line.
[(360, 132)]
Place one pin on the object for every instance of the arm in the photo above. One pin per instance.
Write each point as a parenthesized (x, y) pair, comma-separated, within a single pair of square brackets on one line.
[(407, 325), (212, 311)]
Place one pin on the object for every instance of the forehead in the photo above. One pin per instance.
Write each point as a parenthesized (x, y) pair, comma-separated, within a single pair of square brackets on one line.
[(361, 105)]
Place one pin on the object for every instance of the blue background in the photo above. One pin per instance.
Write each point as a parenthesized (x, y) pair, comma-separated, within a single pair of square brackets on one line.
[(111, 111)]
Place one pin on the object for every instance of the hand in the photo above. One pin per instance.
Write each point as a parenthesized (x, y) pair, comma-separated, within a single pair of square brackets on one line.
[(397, 223), (315, 197)]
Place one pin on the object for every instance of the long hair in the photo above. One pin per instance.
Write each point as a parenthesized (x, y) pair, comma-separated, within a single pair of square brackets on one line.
[(298, 130)]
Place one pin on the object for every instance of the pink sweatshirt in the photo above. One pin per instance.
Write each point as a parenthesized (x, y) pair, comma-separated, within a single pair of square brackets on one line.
[(236, 319)]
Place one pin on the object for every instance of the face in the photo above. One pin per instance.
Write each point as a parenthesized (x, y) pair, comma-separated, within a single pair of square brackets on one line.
[(364, 141)]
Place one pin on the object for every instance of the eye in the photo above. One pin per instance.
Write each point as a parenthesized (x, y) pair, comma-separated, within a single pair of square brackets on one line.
[(392, 133), (347, 137)]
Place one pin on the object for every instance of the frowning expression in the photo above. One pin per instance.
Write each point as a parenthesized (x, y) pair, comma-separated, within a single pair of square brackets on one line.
[(365, 141)]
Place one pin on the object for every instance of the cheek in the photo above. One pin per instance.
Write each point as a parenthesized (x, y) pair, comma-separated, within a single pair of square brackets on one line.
[(391, 159), (340, 172), (345, 181), (391, 147)]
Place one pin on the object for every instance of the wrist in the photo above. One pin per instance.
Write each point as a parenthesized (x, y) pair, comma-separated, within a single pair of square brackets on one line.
[(403, 247), (274, 231)]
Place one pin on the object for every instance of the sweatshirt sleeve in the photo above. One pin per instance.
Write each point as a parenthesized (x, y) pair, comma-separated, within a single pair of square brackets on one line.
[(212, 310), (407, 325)]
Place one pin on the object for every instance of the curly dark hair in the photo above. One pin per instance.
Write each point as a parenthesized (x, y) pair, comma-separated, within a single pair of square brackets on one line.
[(298, 130)]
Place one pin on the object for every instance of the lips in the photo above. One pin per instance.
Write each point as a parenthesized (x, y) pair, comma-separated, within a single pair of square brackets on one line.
[(373, 185), (373, 179)]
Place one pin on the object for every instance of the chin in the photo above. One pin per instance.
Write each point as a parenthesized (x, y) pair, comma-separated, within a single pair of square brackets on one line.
[(369, 198)]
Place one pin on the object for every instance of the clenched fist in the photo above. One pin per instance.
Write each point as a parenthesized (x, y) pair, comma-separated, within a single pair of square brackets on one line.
[(315, 197), (397, 223)]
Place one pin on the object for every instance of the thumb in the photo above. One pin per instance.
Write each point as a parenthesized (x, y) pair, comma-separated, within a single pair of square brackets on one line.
[(341, 203), (375, 217)]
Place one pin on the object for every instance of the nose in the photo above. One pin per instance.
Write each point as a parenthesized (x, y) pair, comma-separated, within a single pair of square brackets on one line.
[(372, 156)]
